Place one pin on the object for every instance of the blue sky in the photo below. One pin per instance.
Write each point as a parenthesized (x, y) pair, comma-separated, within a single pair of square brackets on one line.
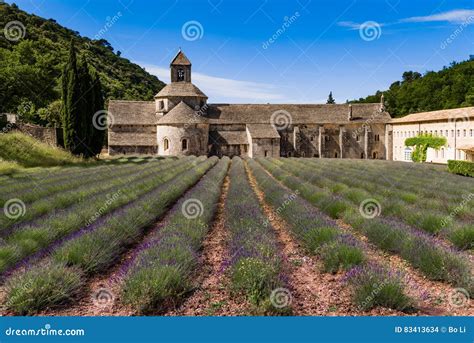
[(258, 51)]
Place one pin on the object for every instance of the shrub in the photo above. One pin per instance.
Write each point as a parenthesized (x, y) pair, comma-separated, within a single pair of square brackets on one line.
[(148, 288), (462, 237), (338, 255), (316, 237), (255, 277), (39, 288), (375, 286), (465, 168)]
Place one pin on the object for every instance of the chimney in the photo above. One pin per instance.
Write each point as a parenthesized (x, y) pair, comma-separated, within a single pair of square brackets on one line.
[(382, 103), (349, 115)]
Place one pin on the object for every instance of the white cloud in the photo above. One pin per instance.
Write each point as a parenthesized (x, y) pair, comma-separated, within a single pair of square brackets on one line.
[(455, 16), (222, 90)]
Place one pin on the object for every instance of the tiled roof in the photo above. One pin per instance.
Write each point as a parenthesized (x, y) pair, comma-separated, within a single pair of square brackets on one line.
[(298, 114), (180, 59), (228, 137), (181, 114), (180, 89), (262, 131), (459, 114), (132, 112)]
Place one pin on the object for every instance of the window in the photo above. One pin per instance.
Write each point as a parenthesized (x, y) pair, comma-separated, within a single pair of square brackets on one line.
[(184, 144), (436, 133), (166, 144), (160, 105), (326, 138), (266, 153), (312, 138), (470, 133), (407, 154), (442, 152), (180, 74), (376, 138), (459, 133), (362, 155), (336, 154), (358, 138), (375, 155), (465, 133)]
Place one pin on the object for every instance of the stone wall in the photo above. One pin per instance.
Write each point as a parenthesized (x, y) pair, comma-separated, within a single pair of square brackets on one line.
[(196, 135), (265, 147), (49, 135)]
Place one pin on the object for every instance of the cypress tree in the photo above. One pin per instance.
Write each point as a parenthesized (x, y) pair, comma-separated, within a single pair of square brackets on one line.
[(70, 98), (330, 99), (98, 132), (85, 106)]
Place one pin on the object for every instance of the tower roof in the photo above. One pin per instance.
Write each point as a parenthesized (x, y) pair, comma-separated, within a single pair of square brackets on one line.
[(182, 114), (180, 59)]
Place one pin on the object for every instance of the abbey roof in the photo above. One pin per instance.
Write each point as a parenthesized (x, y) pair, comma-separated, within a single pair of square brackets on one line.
[(180, 89), (180, 59), (182, 114), (456, 114)]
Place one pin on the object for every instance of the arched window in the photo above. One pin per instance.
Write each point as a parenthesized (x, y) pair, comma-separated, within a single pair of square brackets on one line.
[(336, 154), (375, 155), (184, 144), (361, 155), (166, 144), (180, 74)]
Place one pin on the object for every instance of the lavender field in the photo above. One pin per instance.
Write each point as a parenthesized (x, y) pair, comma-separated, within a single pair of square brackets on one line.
[(200, 236)]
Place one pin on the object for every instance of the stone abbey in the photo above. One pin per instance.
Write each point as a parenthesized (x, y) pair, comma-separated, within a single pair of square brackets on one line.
[(181, 122)]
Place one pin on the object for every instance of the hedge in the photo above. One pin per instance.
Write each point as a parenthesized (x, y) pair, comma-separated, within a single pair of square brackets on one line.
[(465, 168)]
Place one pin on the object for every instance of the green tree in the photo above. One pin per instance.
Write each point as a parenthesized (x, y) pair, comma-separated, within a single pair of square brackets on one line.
[(71, 98), (422, 143), (330, 99)]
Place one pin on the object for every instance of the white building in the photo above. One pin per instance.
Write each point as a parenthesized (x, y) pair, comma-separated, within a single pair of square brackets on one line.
[(457, 125)]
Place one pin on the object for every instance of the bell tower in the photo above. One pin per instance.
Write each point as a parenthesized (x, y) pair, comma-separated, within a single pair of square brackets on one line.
[(180, 68)]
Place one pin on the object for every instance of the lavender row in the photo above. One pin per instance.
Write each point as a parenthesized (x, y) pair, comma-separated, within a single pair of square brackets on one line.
[(255, 262), (418, 248), (321, 236), (161, 269), (31, 240), (74, 195), (96, 249)]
